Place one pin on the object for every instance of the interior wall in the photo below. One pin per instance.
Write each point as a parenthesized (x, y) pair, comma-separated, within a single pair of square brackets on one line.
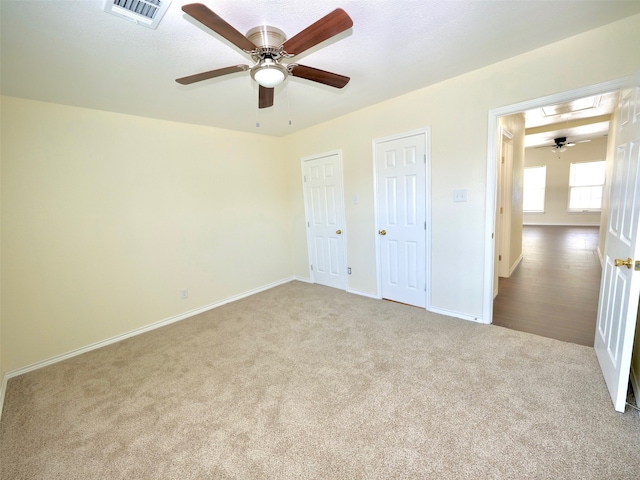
[(457, 112), (610, 156), (2, 363), (107, 217), (557, 188), (515, 125)]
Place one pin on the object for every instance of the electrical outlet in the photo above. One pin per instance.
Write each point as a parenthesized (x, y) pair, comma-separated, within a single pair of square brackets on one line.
[(184, 293)]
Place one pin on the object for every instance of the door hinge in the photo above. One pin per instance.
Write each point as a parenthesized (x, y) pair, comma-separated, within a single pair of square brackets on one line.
[(500, 209), (308, 225), (499, 258), (425, 225), (312, 268), (425, 158), (305, 178), (425, 287), (502, 159)]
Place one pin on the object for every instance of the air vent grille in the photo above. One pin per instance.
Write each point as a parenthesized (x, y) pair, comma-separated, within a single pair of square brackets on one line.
[(147, 13), (148, 9)]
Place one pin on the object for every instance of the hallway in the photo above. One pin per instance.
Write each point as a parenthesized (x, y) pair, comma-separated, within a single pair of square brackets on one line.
[(554, 291)]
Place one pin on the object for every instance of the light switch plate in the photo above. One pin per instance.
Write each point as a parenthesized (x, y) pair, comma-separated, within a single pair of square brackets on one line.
[(460, 195)]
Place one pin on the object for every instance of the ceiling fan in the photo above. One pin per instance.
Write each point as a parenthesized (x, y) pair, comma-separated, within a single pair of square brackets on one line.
[(560, 144), (268, 48)]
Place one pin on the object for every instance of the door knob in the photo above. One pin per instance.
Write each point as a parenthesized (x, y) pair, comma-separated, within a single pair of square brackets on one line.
[(619, 262), (339, 232), (382, 232)]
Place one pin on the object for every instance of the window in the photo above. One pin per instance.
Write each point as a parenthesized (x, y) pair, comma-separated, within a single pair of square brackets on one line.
[(586, 182), (535, 179)]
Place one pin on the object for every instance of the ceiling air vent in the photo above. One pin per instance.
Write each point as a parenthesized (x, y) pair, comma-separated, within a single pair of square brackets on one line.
[(147, 13)]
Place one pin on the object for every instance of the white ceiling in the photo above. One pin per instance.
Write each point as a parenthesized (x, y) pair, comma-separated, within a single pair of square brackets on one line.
[(579, 120), (71, 52)]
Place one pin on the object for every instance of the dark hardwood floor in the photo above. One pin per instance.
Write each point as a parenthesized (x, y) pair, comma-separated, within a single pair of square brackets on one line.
[(554, 291)]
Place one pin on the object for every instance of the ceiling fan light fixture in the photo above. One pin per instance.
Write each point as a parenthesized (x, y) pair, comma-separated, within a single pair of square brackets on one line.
[(269, 73)]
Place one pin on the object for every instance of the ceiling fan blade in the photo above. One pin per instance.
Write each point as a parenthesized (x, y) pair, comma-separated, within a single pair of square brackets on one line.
[(205, 16), (332, 24), (320, 76), (265, 97), (198, 77)]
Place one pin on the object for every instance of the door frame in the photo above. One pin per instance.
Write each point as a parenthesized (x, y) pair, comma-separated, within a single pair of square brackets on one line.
[(493, 143), (426, 131), (343, 256), (505, 175)]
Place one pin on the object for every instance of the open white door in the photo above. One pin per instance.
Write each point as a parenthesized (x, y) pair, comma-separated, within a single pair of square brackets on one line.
[(620, 285)]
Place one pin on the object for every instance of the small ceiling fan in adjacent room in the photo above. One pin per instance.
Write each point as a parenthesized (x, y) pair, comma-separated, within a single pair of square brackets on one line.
[(269, 48), (560, 144)]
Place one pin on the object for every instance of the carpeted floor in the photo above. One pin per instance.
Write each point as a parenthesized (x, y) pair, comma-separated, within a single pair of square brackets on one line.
[(305, 382)]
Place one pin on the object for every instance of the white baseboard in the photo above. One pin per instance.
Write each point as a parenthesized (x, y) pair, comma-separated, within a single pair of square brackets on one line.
[(450, 313), (138, 331), (551, 224), (515, 265), (364, 294), (600, 257), (302, 279), (3, 389)]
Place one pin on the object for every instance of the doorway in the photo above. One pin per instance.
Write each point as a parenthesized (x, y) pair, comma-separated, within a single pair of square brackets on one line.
[(494, 142), (549, 265)]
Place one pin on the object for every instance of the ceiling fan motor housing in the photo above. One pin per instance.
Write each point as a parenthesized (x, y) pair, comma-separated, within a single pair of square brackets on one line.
[(268, 39)]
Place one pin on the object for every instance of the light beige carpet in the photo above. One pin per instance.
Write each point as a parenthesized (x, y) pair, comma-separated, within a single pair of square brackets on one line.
[(305, 382)]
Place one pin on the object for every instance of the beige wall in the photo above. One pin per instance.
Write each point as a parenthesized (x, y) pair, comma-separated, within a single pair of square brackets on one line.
[(457, 112), (509, 196), (515, 125), (610, 155), (3, 369), (106, 217), (557, 189)]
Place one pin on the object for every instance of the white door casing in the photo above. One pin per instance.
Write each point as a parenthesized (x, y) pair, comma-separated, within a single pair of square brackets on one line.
[(503, 239), (620, 285), (324, 206), (401, 204)]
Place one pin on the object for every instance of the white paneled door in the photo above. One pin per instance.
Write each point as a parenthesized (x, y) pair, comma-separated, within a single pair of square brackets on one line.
[(620, 284), (401, 209), (324, 199)]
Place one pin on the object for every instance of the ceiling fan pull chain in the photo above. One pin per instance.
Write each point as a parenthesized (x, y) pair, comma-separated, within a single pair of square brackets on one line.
[(288, 105)]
